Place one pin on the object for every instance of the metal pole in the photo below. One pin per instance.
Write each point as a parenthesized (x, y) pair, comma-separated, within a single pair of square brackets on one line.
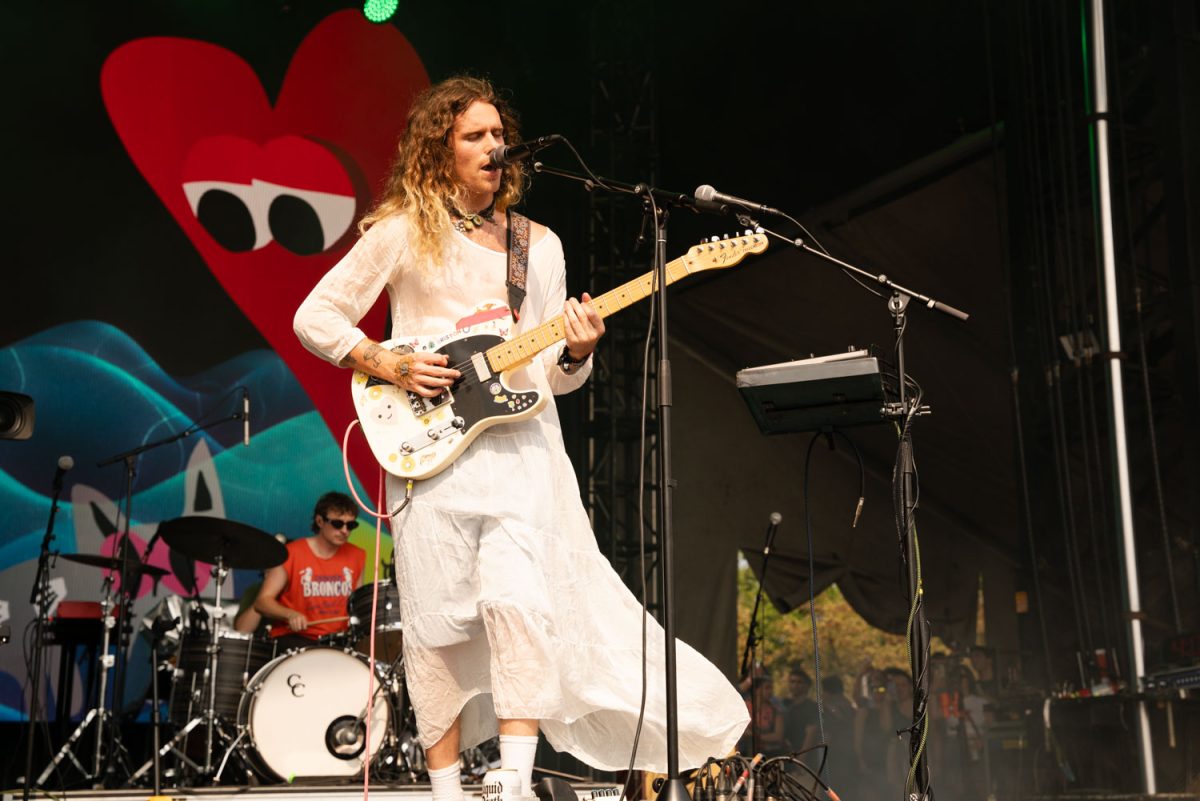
[(1116, 390)]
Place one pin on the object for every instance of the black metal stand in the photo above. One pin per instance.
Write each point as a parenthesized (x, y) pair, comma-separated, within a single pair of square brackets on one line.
[(128, 573), (39, 599), (157, 630), (918, 637), (673, 788), (750, 661), (917, 785)]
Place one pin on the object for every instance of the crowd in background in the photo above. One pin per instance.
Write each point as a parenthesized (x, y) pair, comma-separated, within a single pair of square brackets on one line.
[(861, 732)]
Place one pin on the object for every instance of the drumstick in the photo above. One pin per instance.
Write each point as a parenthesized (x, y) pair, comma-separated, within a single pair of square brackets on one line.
[(329, 620)]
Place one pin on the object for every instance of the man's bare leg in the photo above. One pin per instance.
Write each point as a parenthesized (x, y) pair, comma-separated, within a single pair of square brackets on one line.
[(518, 745), (445, 772)]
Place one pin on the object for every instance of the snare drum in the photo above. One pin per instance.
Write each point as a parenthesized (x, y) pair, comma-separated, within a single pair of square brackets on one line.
[(239, 656), (389, 631), (304, 713)]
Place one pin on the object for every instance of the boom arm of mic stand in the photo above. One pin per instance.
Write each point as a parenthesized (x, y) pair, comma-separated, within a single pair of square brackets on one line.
[(880, 279), (149, 446), (661, 196)]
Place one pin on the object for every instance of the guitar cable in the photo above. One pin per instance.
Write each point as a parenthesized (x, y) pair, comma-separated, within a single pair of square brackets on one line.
[(379, 516)]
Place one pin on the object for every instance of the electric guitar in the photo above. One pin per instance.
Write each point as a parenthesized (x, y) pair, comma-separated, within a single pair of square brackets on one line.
[(415, 437)]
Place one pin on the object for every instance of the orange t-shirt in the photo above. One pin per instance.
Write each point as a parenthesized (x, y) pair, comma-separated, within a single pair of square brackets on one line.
[(319, 588)]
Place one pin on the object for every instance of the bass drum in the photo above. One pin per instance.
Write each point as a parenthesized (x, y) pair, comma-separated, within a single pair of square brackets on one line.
[(239, 656), (304, 715)]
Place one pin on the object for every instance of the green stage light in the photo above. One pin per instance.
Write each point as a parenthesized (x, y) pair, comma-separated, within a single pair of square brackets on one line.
[(380, 10)]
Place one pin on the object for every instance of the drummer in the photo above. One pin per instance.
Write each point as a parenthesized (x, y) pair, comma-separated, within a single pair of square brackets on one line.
[(306, 597)]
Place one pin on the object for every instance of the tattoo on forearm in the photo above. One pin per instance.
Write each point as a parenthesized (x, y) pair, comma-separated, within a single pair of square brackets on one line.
[(348, 361), (371, 355)]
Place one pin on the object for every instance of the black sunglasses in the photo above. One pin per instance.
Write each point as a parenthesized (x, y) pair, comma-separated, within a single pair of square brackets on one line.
[(349, 524)]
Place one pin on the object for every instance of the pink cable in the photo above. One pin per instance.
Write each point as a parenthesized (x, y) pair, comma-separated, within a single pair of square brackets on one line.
[(379, 517), (350, 483), (371, 647)]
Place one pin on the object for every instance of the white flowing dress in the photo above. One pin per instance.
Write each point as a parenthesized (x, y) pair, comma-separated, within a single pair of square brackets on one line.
[(509, 608)]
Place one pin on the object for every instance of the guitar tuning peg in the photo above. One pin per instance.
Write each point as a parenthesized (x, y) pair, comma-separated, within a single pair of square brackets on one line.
[(749, 232), (726, 236)]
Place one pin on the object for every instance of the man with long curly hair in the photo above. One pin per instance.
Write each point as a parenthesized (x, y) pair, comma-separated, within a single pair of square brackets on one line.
[(514, 621)]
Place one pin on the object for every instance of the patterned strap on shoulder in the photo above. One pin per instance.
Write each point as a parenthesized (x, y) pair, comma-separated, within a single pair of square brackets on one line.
[(518, 260)]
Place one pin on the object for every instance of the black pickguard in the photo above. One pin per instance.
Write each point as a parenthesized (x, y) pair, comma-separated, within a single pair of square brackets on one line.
[(471, 399)]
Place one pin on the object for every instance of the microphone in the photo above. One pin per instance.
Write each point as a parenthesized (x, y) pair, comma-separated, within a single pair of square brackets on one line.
[(507, 155), (245, 417), (707, 194), (775, 519), (65, 463)]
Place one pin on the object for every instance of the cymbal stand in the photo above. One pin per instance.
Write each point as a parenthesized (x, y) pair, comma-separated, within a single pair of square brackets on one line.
[(123, 549), (99, 713), (208, 713), (40, 599), (219, 572)]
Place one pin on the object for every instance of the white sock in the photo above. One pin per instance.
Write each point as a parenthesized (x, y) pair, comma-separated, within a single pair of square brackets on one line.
[(516, 753), (446, 783)]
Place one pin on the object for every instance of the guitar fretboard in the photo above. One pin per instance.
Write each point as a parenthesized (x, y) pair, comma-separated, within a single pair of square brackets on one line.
[(523, 348)]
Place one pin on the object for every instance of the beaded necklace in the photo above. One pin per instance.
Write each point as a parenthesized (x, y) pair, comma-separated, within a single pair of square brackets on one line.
[(467, 222)]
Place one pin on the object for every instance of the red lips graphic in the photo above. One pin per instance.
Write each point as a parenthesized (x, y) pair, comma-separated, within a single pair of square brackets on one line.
[(269, 194)]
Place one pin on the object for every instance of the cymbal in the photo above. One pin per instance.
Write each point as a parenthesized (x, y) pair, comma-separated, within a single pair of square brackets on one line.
[(113, 563), (207, 538)]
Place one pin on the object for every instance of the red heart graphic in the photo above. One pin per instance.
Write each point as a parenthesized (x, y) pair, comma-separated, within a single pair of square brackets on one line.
[(269, 194)]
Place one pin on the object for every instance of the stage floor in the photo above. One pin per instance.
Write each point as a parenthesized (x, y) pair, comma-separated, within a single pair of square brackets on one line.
[(294, 792)]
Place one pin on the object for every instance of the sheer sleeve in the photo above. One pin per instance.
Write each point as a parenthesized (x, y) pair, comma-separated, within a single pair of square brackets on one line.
[(327, 320), (547, 292)]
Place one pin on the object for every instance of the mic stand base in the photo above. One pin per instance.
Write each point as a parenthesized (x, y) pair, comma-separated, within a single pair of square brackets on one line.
[(674, 790)]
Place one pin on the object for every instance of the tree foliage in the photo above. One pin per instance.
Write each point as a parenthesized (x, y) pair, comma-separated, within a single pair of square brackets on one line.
[(846, 641)]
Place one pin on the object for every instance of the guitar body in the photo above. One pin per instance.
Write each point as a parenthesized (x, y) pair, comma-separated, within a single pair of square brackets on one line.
[(416, 437)]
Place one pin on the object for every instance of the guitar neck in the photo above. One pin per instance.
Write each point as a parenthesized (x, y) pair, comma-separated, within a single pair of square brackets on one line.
[(523, 348)]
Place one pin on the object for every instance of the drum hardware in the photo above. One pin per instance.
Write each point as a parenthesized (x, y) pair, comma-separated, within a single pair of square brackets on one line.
[(158, 630), (127, 559), (101, 715), (224, 544), (206, 715), (40, 599)]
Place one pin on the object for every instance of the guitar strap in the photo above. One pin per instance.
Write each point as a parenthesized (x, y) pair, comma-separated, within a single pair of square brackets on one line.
[(518, 261)]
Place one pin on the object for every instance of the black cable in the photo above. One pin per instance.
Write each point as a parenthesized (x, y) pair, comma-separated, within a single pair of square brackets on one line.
[(595, 178), (812, 580), (821, 248), (641, 484)]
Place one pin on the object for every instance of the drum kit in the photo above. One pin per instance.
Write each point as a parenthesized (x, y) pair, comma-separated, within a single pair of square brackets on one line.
[(244, 710)]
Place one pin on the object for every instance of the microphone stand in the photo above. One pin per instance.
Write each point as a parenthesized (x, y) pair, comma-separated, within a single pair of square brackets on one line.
[(129, 573), (39, 598), (904, 411), (673, 789), (750, 663)]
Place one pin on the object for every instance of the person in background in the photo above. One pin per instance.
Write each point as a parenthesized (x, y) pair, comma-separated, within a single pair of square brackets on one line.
[(838, 715), (768, 721), (306, 596), (800, 713)]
